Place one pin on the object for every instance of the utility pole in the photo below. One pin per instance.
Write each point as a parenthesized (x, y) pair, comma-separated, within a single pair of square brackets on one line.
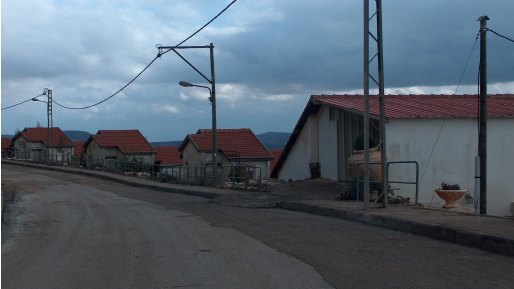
[(381, 99), (214, 125), (50, 117), (482, 138), (212, 98)]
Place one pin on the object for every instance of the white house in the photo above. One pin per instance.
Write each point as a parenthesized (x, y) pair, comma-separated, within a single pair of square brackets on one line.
[(128, 145), (440, 132), (235, 146), (34, 142)]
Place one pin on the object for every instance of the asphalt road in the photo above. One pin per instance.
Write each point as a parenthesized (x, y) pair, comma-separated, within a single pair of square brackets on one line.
[(70, 231)]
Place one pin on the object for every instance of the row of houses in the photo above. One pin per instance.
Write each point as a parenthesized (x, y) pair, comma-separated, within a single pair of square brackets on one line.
[(439, 132), (235, 146)]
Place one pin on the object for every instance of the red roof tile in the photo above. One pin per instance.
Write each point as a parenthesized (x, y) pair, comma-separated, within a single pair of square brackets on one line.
[(238, 143), (6, 142), (425, 106), (125, 140), (79, 147), (169, 155), (36, 134), (276, 153)]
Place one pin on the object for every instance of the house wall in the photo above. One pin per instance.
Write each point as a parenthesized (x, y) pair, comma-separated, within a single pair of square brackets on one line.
[(453, 158), (192, 157), (303, 152), (328, 142)]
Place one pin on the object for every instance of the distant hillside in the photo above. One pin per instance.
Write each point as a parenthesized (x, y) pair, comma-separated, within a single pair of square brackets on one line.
[(166, 143), (9, 136), (274, 140), (77, 135)]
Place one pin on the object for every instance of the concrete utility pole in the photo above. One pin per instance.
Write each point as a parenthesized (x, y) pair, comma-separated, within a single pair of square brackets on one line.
[(50, 117), (482, 138)]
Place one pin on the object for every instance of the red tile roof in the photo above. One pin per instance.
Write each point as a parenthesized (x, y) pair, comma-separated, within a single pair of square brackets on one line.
[(403, 106), (276, 153), (6, 142), (425, 106), (36, 134), (125, 140), (236, 143), (79, 147), (169, 155)]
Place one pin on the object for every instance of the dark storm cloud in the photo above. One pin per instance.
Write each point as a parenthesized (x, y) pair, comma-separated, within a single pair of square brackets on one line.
[(269, 56)]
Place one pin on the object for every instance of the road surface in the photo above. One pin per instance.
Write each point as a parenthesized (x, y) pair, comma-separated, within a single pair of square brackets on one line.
[(71, 231)]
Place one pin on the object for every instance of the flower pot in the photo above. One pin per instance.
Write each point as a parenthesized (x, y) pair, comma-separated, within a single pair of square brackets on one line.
[(375, 170), (451, 197)]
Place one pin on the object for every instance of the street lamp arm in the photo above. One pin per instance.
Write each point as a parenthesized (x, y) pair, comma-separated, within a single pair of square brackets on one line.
[(192, 65)]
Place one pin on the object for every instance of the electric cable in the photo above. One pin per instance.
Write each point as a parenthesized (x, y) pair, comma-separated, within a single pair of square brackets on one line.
[(158, 56), (500, 35), (22, 102), (467, 63)]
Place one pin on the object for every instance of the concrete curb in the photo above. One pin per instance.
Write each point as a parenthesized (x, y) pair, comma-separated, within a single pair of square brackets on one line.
[(207, 195), (460, 236)]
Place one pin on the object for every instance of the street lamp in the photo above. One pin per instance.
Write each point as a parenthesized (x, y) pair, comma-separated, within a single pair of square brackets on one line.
[(214, 143), (187, 84), (212, 98)]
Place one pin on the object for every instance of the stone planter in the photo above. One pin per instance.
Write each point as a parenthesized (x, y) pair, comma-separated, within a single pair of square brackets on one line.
[(451, 197)]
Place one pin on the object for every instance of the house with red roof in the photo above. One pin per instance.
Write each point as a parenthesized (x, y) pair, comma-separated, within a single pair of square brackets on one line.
[(36, 140), (129, 145), (79, 149), (6, 142), (440, 132), (235, 146), (276, 154), (168, 155)]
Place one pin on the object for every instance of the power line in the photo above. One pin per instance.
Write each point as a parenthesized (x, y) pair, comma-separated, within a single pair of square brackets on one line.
[(500, 35), (467, 63), (158, 55), (22, 102)]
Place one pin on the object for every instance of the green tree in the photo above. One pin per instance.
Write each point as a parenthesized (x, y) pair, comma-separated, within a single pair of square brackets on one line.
[(39, 124)]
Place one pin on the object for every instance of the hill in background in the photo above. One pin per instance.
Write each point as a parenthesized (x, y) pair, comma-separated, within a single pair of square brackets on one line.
[(9, 136), (78, 135), (274, 140), (166, 143)]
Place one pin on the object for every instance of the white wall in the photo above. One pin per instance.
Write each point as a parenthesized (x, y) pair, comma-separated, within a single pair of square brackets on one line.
[(453, 158), (303, 152), (327, 144)]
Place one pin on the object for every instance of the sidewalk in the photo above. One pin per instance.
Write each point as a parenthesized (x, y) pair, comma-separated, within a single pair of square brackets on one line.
[(485, 232)]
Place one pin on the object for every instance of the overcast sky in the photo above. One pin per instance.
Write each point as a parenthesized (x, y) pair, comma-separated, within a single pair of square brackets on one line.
[(270, 56)]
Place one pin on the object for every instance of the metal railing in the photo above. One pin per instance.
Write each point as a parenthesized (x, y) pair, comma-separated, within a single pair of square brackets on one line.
[(176, 174), (389, 181)]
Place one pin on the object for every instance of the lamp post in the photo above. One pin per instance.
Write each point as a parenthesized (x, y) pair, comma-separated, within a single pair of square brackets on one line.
[(212, 99), (212, 91)]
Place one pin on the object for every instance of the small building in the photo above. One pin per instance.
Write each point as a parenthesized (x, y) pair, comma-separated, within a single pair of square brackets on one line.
[(32, 143), (440, 132), (168, 155), (235, 146), (80, 150), (125, 145), (6, 143), (276, 154)]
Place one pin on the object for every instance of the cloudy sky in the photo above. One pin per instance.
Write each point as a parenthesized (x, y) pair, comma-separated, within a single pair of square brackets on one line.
[(270, 56)]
